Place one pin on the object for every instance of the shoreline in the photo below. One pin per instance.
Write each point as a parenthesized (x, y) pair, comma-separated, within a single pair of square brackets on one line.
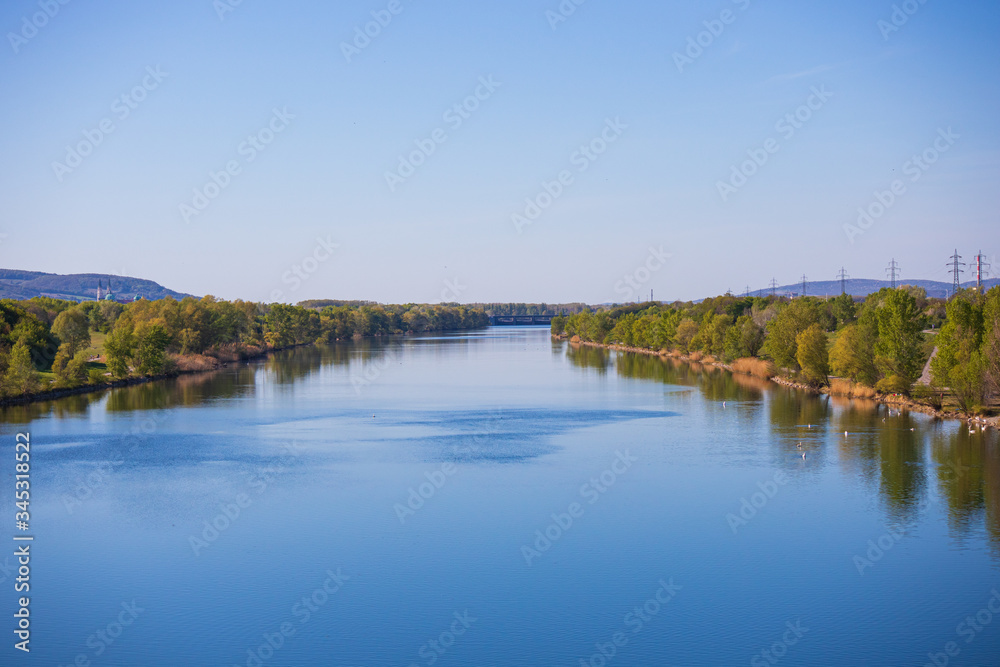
[(894, 400), (55, 394)]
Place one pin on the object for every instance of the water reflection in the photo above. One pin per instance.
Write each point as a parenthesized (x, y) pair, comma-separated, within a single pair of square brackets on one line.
[(968, 475), (906, 460), (586, 356), (888, 450)]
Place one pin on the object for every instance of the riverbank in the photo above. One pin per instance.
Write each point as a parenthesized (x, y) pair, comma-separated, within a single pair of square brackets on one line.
[(189, 365), (893, 400)]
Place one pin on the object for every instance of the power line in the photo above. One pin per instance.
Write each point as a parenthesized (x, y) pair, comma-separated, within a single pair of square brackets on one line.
[(804, 279), (956, 271), (982, 267), (747, 293), (893, 270), (843, 280), (774, 286)]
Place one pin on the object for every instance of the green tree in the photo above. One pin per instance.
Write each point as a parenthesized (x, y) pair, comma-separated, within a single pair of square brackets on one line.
[(74, 371), (151, 344), (959, 363), (853, 355), (781, 342), (812, 355), (716, 338), (991, 341), (844, 309), (686, 331), (72, 328), (119, 347), (21, 376), (62, 358), (898, 349)]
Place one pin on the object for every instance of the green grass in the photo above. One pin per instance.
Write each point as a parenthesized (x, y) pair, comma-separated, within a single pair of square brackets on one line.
[(97, 343)]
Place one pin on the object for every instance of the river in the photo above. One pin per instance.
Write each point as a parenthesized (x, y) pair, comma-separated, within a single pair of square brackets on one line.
[(499, 498)]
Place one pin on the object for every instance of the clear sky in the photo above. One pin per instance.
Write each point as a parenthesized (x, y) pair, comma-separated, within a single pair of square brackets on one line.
[(666, 121)]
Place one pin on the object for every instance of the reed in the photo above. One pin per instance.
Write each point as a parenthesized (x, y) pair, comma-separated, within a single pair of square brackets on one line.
[(754, 366)]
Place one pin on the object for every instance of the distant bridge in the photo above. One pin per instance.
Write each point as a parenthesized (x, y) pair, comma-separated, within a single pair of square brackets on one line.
[(519, 320)]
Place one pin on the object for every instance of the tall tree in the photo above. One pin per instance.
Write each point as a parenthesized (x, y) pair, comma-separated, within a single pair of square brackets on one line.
[(898, 349), (72, 327), (21, 376), (812, 355), (959, 363)]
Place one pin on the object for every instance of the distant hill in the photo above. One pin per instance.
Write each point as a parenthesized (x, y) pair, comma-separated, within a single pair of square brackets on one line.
[(16, 284), (864, 287)]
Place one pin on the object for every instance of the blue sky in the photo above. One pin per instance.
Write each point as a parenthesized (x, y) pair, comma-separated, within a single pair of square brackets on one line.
[(447, 231)]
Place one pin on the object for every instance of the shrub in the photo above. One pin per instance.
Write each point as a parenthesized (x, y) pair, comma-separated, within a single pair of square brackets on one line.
[(893, 384)]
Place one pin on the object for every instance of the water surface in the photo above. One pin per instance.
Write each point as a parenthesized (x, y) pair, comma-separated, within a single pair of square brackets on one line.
[(497, 498)]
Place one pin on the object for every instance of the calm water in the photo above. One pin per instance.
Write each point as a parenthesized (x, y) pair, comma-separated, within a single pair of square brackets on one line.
[(500, 499)]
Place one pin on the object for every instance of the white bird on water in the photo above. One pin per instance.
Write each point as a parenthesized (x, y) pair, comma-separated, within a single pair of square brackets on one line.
[(845, 434), (803, 456)]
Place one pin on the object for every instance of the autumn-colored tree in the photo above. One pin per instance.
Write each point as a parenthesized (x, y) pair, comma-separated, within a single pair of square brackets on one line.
[(812, 355)]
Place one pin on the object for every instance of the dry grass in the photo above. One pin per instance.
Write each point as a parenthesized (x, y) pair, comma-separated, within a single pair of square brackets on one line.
[(574, 339), (696, 355), (193, 362), (842, 387), (708, 359), (755, 367), (862, 391)]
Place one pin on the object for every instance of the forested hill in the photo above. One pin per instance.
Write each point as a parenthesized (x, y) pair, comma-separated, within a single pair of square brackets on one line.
[(20, 285), (863, 287)]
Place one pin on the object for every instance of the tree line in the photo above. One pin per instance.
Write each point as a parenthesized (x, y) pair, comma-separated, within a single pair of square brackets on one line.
[(52, 336), (881, 343)]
